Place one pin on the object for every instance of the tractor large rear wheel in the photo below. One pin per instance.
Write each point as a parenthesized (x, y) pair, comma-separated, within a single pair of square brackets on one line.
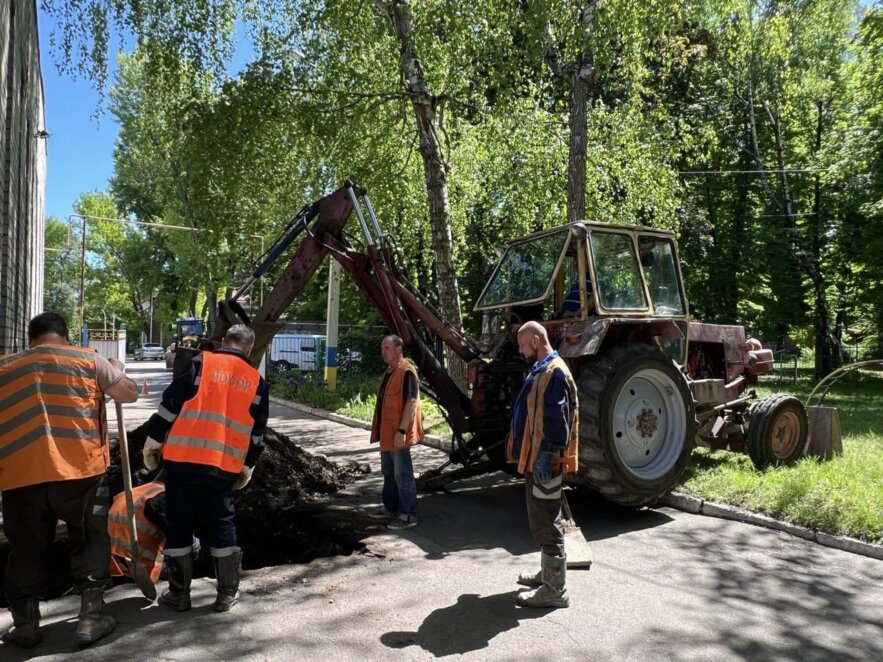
[(637, 423)]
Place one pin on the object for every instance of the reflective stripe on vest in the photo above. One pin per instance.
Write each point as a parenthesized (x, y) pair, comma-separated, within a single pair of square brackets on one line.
[(51, 416), (150, 538), (214, 427)]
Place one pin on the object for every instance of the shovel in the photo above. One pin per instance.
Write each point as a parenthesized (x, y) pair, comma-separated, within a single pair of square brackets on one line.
[(138, 571), (579, 554)]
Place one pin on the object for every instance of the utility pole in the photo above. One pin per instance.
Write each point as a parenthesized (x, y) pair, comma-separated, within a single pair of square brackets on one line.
[(331, 324), (82, 281), (151, 316)]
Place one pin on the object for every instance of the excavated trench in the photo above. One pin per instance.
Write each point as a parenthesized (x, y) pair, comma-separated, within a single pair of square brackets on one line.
[(279, 518)]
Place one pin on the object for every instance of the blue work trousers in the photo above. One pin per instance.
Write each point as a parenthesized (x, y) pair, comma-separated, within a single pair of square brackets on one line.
[(201, 506), (399, 486)]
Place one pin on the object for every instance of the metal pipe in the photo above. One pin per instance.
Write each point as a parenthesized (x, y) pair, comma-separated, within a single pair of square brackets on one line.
[(373, 218), (358, 209)]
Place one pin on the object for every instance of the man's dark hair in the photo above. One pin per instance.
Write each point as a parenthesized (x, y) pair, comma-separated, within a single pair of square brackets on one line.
[(395, 340), (47, 323)]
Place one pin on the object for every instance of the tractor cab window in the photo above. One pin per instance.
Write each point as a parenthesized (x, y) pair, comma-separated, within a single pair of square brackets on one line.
[(191, 327), (660, 270), (525, 274), (617, 272)]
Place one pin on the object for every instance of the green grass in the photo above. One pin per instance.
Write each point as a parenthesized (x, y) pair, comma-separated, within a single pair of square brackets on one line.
[(355, 396), (843, 496)]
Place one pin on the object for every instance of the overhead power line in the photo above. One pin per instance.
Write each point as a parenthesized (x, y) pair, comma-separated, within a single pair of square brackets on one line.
[(744, 172)]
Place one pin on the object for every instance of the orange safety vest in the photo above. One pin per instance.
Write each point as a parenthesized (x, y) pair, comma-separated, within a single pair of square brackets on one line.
[(214, 427), (52, 422), (151, 539), (567, 461), (391, 411)]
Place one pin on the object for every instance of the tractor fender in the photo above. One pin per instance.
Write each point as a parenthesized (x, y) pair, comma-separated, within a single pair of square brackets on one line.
[(586, 338)]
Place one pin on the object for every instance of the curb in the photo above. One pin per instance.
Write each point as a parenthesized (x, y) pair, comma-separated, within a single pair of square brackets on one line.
[(431, 440), (698, 506)]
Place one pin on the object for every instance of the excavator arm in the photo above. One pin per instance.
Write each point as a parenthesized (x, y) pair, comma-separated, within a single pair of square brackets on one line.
[(319, 230)]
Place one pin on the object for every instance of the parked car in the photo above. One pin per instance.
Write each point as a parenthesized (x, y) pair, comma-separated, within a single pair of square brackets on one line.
[(149, 351), (291, 351)]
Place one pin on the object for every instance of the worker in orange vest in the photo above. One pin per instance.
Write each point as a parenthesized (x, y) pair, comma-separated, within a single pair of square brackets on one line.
[(397, 425), (543, 441), (210, 432), (150, 531), (53, 464)]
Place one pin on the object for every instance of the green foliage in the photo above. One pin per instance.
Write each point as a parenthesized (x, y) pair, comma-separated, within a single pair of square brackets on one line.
[(62, 271), (843, 496)]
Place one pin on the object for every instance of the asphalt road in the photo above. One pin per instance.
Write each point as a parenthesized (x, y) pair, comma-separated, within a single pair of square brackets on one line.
[(665, 585)]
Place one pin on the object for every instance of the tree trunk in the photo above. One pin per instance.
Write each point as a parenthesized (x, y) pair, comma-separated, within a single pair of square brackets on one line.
[(582, 77), (576, 160), (826, 351), (734, 252), (191, 309), (435, 169)]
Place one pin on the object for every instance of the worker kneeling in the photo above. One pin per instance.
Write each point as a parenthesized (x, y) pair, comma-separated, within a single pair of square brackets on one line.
[(209, 430), (151, 538)]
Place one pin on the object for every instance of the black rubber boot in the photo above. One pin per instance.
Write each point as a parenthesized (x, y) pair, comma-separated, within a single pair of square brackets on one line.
[(25, 630), (180, 571), (227, 571), (92, 625)]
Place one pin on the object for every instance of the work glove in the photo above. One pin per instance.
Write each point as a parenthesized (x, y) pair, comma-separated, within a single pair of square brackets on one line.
[(542, 467), (151, 453), (243, 478)]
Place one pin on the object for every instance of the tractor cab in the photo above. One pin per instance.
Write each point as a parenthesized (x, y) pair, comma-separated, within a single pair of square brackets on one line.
[(586, 272)]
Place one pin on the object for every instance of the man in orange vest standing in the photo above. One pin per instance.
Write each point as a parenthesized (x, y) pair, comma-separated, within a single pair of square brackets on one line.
[(210, 431), (53, 464), (543, 441), (397, 425)]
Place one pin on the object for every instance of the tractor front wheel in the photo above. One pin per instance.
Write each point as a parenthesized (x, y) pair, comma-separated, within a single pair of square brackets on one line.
[(777, 431)]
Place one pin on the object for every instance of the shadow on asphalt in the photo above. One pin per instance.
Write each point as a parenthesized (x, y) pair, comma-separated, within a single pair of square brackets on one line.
[(489, 512), (799, 591), (468, 625)]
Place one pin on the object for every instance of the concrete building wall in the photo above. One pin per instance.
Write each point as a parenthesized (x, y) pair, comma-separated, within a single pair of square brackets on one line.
[(22, 172)]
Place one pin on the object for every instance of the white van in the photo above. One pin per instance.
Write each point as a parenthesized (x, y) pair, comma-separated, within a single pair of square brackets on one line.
[(291, 351)]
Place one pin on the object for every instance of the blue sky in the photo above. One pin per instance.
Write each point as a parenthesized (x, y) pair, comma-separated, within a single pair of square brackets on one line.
[(81, 141), (80, 147)]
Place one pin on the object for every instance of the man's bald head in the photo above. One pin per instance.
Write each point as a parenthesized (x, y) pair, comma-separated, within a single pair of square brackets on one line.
[(533, 341)]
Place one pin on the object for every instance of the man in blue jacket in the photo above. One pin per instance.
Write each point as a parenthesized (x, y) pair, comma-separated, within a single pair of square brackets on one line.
[(543, 442)]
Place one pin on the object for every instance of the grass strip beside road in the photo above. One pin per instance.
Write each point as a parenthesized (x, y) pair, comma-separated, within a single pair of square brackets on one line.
[(840, 497)]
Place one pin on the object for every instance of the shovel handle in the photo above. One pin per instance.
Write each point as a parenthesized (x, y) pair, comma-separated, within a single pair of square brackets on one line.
[(127, 481)]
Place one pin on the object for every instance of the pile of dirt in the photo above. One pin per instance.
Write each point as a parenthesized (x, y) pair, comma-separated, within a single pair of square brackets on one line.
[(276, 518)]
